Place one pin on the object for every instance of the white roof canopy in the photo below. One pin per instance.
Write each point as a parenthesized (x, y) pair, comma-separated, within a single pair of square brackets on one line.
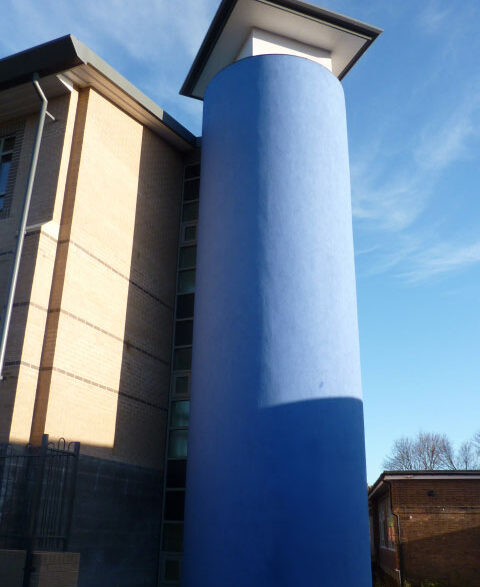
[(250, 27)]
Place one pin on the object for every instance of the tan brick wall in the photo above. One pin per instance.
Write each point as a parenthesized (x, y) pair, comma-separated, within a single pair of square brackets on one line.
[(89, 353), (51, 170), (89, 350), (106, 356), (33, 289)]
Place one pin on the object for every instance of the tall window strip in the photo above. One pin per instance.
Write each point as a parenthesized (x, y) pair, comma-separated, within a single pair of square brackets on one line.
[(179, 403), (7, 145)]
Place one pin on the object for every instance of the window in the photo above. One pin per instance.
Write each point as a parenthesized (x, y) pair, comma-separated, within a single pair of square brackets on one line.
[(177, 444), (172, 537), (179, 402), (386, 524), (191, 190), (190, 211), (182, 359), (186, 281), (181, 384), (174, 506), (176, 474), (6, 153), (189, 232), (172, 570), (188, 257), (180, 414), (184, 333), (185, 304)]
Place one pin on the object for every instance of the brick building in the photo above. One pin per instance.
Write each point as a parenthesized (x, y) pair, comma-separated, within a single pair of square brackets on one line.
[(98, 358), (425, 526), (89, 348)]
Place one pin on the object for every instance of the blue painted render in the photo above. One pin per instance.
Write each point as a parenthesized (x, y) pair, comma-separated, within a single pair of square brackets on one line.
[(276, 484)]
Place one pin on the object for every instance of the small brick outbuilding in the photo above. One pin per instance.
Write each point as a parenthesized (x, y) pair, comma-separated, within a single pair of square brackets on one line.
[(425, 528)]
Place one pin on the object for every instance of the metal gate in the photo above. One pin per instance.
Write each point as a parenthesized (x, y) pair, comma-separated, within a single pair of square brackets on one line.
[(37, 489)]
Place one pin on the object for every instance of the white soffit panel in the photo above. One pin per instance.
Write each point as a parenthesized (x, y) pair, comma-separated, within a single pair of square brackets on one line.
[(261, 42)]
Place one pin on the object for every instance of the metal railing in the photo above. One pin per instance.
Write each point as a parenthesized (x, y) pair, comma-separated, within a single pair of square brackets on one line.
[(37, 489)]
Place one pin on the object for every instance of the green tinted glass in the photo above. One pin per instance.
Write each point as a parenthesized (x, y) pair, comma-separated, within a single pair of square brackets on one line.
[(186, 281), (180, 414), (177, 446)]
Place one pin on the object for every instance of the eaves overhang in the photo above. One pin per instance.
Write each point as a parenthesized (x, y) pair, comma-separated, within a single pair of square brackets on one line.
[(346, 38), (387, 476), (67, 60)]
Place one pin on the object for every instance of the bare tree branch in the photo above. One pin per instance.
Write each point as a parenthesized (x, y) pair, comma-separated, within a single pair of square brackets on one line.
[(467, 457), (432, 451), (402, 457), (476, 442)]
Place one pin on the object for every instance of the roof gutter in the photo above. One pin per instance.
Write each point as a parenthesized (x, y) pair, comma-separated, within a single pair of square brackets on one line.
[(23, 222), (67, 55)]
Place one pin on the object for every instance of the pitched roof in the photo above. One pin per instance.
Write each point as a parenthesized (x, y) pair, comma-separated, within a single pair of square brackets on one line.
[(75, 63)]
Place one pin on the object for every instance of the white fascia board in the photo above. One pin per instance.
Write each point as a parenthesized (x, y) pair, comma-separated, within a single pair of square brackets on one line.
[(428, 477)]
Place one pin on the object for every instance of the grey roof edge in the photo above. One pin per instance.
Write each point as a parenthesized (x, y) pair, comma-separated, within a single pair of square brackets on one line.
[(226, 8), (68, 52), (214, 31), (45, 59), (425, 473)]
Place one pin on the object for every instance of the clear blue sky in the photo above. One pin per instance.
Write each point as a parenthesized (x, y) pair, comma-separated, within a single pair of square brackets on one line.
[(413, 106)]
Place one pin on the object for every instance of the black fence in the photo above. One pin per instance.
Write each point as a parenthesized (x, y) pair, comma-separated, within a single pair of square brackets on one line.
[(37, 489)]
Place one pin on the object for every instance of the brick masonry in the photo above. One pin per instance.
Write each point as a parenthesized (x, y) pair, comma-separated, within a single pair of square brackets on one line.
[(50, 569), (89, 350), (439, 529)]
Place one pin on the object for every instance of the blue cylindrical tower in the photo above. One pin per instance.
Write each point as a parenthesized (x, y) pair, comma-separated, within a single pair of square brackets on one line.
[(276, 484)]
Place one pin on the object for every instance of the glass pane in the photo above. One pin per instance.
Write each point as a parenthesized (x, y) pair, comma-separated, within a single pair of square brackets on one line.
[(8, 144), (182, 359), (172, 570), (176, 473), (191, 190), (4, 169), (180, 413), (192, 171), (190, 211), (183, 333), (188, 257), (172, 538), (2, 202), (182, 385), (190, 233), (177, 445), (174, 505), (186, 281), (185, 305)]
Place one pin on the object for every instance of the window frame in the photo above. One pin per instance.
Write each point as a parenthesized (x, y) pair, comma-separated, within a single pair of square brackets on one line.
[(3, 153), (386, 525), (183, 313), (15, 130)]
